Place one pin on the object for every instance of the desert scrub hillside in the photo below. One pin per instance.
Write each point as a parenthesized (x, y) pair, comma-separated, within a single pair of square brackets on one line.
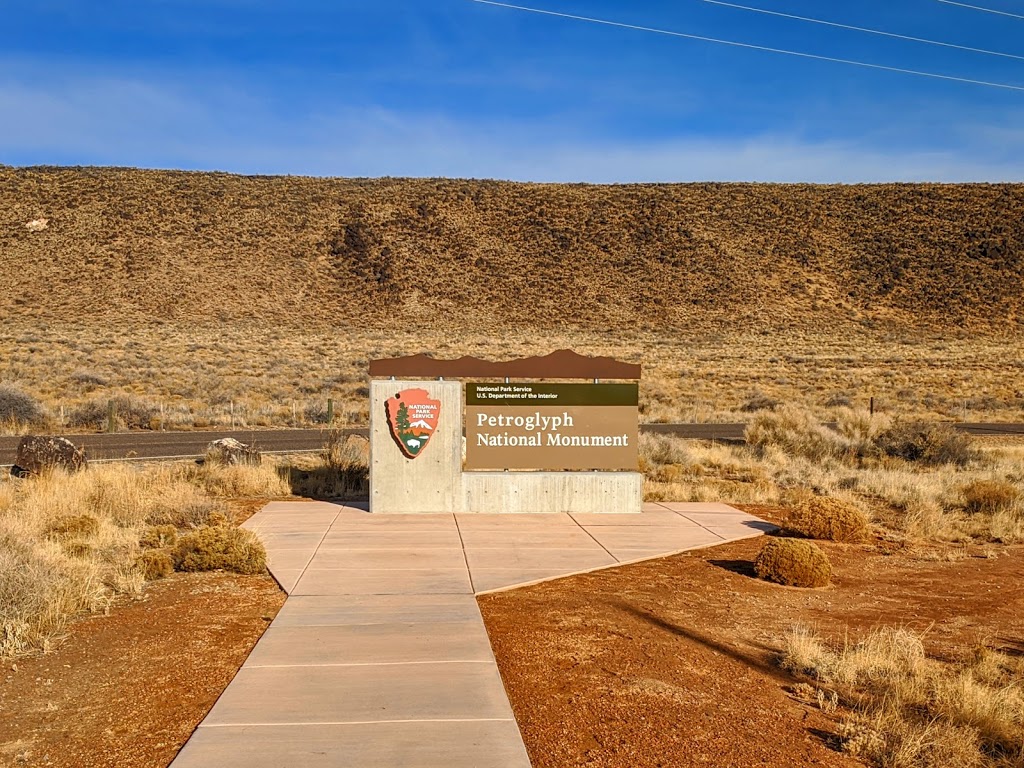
[(130, 245)]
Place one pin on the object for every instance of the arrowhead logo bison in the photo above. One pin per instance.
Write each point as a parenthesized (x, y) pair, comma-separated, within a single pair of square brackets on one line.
[(412, 417)]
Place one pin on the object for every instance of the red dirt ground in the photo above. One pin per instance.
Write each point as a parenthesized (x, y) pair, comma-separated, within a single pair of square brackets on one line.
[(672, 662), (128, 688)]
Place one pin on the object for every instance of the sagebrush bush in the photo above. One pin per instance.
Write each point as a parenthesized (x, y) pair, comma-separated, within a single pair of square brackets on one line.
[(794, 431), (831, 519), (129, 413), (157, 536), (220, 547), (155, 564), (19, 408), (989, 496), (927, 443), (794, 563), (73, 527)]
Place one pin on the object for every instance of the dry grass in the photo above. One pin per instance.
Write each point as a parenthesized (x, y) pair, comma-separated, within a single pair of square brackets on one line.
[(71, 543), (910, 501), (906, 710), (282, 376)]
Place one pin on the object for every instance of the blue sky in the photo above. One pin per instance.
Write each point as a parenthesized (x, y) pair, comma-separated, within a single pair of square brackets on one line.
[(461, 89)]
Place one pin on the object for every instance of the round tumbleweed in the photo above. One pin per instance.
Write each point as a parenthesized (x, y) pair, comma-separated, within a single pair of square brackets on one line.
[(794, 563)]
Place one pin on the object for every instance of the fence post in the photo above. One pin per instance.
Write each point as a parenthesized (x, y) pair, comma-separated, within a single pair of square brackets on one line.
[(872, 406), (330, 411), (111, 416)]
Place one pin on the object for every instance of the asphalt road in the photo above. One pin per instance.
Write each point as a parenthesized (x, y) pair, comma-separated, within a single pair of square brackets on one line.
[(165, 445)]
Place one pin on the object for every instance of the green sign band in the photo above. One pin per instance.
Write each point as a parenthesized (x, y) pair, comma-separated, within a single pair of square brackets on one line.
[(533, 395)]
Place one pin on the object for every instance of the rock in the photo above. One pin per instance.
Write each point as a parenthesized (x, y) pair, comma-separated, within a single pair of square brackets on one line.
[(227, 451), (36, 454)]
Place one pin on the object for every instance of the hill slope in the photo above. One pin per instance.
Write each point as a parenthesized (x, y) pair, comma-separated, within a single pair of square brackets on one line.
[(132, 245)]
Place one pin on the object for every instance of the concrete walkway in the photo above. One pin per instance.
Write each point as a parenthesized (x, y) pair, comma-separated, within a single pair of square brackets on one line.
[(379, 657)]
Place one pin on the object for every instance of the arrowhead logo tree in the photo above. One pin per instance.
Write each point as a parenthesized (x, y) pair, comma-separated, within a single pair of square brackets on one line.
[(412, 417)]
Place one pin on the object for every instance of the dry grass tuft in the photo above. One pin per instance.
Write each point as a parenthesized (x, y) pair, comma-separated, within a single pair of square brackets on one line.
[(220, 547), (987, 497), (907, 710), (828, 518), (263, 480), (795, 432), (793, 563)]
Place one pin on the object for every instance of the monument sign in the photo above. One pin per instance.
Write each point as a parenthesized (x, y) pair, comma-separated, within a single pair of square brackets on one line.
[(438, 446)]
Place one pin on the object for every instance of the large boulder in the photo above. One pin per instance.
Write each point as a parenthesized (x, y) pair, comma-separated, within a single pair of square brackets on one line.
[(228, 451), (37, 454)]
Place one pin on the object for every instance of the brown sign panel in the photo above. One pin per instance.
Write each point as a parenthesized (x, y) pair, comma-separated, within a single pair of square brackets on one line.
[(563, 364), (551, 426)]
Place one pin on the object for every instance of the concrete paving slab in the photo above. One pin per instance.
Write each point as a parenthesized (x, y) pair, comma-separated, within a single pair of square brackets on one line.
[(300, 507), (391, 539), (354, 694), (510, 522), (562, 537), (700, 507), (401, 559), (745, 530), (567, 560), (652, 537), (350, 610), (452, 744), (654, 517), (286, 578), (287, 540), (434, 581), (485, 580), (372, 644), (289, 559), (400, 522), (627, 556), (716, 518)]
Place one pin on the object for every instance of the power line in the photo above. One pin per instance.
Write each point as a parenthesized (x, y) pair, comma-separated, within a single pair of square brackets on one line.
[(864, 29), (986, 10), (750, 46)]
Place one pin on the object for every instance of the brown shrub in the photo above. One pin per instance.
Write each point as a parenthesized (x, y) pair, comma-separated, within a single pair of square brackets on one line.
[(822, 517), (157, 536), (155, 564), (794, 563), (989, 496), (73, 528), (19, 408), (927, 443), (221, 547)]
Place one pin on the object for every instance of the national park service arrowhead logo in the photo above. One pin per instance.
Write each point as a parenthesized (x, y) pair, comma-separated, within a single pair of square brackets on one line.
[(412, 417)]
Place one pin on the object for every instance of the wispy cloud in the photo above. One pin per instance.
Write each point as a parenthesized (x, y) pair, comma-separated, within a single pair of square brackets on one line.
[(126, 121)]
